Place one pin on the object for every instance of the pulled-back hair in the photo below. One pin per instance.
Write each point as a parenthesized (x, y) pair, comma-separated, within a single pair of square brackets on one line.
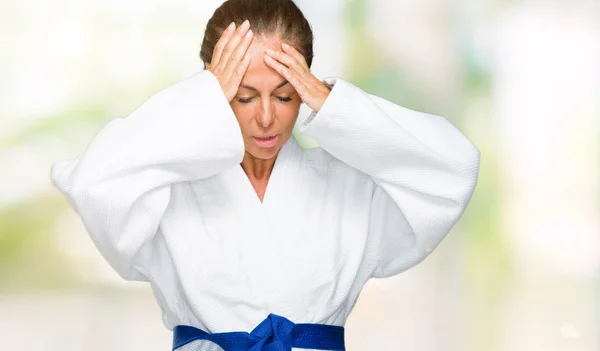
[(281, 18)]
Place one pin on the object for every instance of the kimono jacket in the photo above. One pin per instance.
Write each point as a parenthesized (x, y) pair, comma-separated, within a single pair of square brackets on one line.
[(163, 197)]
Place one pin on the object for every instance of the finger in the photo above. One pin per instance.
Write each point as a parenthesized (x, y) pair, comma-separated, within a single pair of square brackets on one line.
[(238, 73), (232, 44), (287, 73), (221, 44), (288, 60), (238, 55), (290, 50)]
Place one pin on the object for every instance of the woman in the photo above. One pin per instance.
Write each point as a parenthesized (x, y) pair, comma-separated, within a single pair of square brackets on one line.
[(202, 193)]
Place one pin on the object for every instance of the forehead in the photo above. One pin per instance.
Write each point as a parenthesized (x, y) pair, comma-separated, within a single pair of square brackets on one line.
[(258, 74)]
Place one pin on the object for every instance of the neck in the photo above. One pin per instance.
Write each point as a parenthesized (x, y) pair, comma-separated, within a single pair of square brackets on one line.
[(257, 169)]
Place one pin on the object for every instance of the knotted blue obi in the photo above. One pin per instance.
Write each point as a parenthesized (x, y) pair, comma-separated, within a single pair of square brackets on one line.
[(274, 333)]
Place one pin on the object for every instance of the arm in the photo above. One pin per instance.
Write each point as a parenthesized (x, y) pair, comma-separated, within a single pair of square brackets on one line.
[(424, 170), (120, 186)]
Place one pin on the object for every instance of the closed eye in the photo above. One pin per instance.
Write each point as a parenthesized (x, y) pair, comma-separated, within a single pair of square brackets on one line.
[(247, 100)]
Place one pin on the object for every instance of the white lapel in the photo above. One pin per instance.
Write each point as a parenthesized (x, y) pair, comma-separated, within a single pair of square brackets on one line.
[(282, 180)]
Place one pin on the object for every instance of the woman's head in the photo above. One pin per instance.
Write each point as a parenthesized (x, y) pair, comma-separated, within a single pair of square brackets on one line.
[(263, 106)]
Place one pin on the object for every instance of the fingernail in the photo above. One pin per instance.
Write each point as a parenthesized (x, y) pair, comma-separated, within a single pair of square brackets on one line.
[(246, 23), (249, 33), (285, 46), (269, 51), (231, 26)]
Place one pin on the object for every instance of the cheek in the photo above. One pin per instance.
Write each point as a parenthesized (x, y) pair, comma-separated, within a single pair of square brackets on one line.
[(287, 113), (244, 115)]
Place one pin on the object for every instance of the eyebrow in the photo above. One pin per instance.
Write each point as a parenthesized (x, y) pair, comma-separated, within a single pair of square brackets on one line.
[(254, 89)]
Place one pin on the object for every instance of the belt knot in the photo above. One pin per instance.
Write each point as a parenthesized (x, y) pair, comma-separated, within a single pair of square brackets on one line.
[(275, 333)]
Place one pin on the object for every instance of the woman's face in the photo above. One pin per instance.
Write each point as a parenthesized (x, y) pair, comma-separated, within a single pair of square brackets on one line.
[(266, 105)]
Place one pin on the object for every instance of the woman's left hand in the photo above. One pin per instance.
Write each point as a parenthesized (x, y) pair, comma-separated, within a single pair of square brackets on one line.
[(292, 66)]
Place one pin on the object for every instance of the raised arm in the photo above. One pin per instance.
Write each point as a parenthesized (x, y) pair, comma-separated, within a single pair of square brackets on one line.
[(425, 170), (121, 185)]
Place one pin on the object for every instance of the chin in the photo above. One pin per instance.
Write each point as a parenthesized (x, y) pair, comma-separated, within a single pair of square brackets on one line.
[(264, 153)]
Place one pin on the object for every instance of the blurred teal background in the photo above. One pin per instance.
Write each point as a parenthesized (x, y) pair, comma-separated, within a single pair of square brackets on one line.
[(521, 79)]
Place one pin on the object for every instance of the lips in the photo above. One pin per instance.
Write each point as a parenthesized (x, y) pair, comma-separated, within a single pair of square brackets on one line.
[(266, 140), (266, 137)]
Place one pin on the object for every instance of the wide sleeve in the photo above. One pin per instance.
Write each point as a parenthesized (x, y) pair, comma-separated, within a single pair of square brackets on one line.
[(120, 186), (423, 168)]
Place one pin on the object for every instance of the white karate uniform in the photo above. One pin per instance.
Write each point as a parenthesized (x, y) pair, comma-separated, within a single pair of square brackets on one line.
[(165, 200)]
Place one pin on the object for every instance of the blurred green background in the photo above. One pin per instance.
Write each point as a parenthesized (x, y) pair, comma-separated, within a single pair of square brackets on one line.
[(521, 79)]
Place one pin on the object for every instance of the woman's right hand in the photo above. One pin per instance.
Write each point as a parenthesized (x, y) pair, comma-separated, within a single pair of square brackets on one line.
[(230, 58)]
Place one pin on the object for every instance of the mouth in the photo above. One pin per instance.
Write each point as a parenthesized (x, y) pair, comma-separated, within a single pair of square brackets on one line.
[(266, 140)]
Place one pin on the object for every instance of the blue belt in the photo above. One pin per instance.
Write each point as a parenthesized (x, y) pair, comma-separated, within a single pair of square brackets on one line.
[(274, 333)]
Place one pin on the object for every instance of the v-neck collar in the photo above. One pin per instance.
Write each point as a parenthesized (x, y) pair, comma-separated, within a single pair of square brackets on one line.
[(284, 164)]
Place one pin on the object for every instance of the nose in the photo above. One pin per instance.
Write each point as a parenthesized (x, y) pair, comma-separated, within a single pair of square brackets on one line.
[(265, 116)]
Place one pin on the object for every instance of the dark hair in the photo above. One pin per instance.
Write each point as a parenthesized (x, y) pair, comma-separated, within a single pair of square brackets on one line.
[(267, 17)]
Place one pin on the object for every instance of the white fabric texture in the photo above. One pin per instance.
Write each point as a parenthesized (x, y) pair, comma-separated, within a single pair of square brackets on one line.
[(165, 200)]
